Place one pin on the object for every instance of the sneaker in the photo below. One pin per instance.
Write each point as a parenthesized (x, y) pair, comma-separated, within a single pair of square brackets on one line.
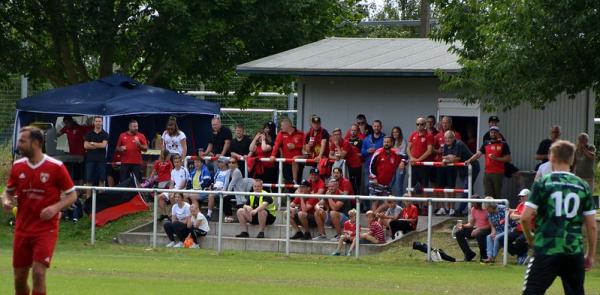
[(75, 220), (398, 235), (349, 253), (243, 234), (522, 259), (440, 212), (297, 236), (470, 256), (170, 245), (178, 245), (261, 235), (451, 212), (320, 238), (195, 246), (335, 239), (335, 254), (307, 236)]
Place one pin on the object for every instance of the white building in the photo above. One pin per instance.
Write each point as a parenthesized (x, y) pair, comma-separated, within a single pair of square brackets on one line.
[(394, 80)]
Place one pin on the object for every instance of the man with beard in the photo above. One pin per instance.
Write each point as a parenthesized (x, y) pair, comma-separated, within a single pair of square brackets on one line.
[(131, 144), (38, 180), (382, 169)]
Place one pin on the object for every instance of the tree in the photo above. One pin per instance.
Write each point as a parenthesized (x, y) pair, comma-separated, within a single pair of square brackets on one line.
[(159, 42), (520, 51)]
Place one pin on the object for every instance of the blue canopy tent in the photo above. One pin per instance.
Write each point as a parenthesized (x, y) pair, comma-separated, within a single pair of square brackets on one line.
[(118, 99)]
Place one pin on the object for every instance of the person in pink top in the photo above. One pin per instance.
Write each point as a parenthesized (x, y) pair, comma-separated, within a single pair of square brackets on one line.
[(477, 228), (376, 235)]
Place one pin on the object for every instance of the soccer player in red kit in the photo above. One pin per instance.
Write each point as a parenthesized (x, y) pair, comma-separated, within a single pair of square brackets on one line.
[(36, 181)]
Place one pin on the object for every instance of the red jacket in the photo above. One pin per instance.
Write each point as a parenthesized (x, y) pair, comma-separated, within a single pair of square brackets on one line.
[(282, 140), (383, 166)]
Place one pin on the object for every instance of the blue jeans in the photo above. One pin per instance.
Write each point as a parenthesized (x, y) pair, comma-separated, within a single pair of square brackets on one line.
[(493, 244), (398, 187)]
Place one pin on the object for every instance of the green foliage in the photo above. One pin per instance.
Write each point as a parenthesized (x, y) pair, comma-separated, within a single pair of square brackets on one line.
[(160, 42), (520, 51)]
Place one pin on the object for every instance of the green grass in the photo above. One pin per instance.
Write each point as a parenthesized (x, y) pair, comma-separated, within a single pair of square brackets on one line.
[(108, 268)]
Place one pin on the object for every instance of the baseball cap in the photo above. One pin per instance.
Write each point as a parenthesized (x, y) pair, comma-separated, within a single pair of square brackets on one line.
[(524, 192), (494, 119), (305, 182), (495, 128), (314, 171), (315, 119)]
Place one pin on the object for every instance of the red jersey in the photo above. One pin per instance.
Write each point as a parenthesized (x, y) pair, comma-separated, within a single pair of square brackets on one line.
[(519, 210), (317, 136), (350, 229), (376, 230), (383, 166), (497, 148), (75, 136), (36, 188), (132, 153), (346, 186), (283, 139), (262, 154), (411, 212), (316, 186), (308, 201), (163, 170), (419, 143), (438, 141), (352, 153)]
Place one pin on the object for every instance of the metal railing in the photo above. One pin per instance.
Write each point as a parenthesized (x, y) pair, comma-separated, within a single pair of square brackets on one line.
[(358, 198)]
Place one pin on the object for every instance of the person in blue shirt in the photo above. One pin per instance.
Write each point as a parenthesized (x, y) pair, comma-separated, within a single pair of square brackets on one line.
[(370, 144)]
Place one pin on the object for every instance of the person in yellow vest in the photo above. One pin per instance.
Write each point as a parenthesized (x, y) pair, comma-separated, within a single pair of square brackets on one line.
[(258, 209)]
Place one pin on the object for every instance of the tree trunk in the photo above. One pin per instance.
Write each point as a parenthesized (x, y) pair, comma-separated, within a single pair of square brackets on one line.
[(424, 15)]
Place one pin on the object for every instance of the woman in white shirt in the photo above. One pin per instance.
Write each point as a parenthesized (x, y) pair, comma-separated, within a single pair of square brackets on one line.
[(173, 139), (198, 225), (177, 226)]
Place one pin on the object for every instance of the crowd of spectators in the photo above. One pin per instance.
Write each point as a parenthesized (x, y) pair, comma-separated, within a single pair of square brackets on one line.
[(363, 160)]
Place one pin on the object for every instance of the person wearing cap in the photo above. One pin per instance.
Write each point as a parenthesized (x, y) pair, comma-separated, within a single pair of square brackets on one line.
[(497, 153), (493, 121), (517, 244), (339, 149), (331, 212), (302, 211), (316, 138), (317, 185), (371, 143), (382, 168), (289, 144), (544, 147)]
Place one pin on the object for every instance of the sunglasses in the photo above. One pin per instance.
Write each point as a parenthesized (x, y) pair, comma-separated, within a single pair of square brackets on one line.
[(420, 124)]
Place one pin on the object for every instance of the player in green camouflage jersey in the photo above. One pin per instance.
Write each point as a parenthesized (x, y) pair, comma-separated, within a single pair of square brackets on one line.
[(562, 203)]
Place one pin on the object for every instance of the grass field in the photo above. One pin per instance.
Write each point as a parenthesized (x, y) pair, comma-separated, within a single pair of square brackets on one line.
[(108, 268)]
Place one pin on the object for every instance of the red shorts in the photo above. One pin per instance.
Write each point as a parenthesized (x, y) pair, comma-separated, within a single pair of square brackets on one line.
[(30, 248)]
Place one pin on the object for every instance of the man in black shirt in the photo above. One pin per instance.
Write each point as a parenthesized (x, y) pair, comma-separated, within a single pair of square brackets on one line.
[(95, 154), (220, 140), (240, 145), (544, 147)]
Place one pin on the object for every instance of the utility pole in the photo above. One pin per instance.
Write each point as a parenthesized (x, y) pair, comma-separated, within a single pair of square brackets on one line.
[(424, 15)]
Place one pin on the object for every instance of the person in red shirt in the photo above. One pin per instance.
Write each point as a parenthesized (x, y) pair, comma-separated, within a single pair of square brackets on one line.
[(349, 235), (131, 144), (317, 185), (382, 168), (431, 125), (261, 147), (376, 234), (316, 140), (497, 153), (517, 243), (162, 169), (289, 140), (37, 181), (342, 149), (302, 211), (420, 148), (408, 220), (344, 184), (75, 138), (363, 128), (330, 212)]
